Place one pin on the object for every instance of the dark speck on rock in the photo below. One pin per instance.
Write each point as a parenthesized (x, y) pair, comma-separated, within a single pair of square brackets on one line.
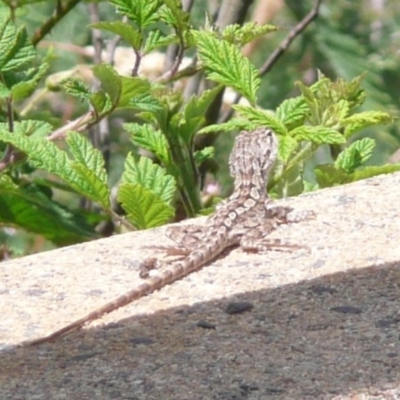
[(272, 391), (321, 289), (83, 357), (387, 322), (141, 340), (238, 307), (206, 325), (347, 309)]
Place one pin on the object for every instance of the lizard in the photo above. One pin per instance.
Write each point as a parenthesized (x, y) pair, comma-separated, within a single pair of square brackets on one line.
[(244, 219)]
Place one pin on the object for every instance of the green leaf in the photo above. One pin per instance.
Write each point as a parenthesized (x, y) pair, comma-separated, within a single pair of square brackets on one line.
[(89, 167), (318, 135), (155, 40), (37, 129), (146, 137), (174, 15), (204, 154), (34, 128), (42, 153), (144, 208), (194, 114), (355, 155), (47, 156), (16, 49), (84, 153), (100, 102), (328, 175), (242, 34), (370, 171), (76, 87), (131, 35), (262, 118), (232, 125), (132, 88), (359, 121), (88, 183), (225, 64), (110, 81), (146, 102), (142, 12), (287, 146), (28, 82), (292, 112), (150, 176), (28, 207)]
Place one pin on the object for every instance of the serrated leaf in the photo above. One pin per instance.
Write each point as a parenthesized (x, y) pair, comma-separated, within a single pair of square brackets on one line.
[(156, 39), (292, 111), (174, 15), (127, 32), (132, 87), (76, 87), (225, 64), (232, 125), (34, 128), (149, 175), (355, 155), (308, 92), (16, 49), (89, 168), (89, 184), (144, 208), (110, 81), (143, 12), (242, 34), (370, 171), (362, 120), (47, 156), (193, 114), (287, 145), (262, 118), (146, 102), (42, 153), (318, 134), (84, 153), (204, 154), (146, 137), (28, 82), (37, 129)]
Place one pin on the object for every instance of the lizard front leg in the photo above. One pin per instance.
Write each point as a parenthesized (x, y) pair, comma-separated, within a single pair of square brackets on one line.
[(285, 214)]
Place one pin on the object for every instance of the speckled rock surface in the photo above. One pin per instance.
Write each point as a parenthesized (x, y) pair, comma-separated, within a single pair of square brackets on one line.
[(323, 324)]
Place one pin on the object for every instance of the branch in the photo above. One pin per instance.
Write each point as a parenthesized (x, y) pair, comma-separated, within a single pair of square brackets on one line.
[(279, 51), (300, 27), (58, 14)]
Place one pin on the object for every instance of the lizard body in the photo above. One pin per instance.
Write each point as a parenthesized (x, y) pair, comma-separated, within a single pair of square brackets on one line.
[(243, 219)]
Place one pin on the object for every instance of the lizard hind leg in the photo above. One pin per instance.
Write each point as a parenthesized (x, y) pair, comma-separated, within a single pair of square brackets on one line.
[(264, 245), (186, 236), (187, 239), (255, 241)]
